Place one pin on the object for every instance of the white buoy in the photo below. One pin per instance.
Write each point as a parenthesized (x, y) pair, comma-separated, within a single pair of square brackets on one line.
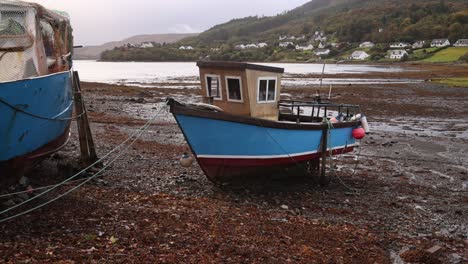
[(364, 124), (356, 117), (186, 161)]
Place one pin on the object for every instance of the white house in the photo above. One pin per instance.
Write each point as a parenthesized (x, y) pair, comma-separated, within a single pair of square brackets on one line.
[(400, 45), (367, 44), (251, 46), (285, 44), (419, 44), (262, 45), (359, 55), (439, 43), (147, 45), (461, 43), (287, 37), (320, 52), (397, 54), (308, 47), (186, 48)]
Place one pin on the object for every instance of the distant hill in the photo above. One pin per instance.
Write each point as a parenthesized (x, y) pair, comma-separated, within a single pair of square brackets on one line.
[(94, 52)]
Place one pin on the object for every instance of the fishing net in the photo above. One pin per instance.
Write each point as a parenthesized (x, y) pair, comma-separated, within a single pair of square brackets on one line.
[(33, 41)]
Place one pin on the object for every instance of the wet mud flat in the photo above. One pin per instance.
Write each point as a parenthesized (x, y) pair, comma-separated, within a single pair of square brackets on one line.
[(406, 202)]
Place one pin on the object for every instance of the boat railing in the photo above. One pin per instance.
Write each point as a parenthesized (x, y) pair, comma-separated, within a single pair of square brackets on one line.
[(315, 111)]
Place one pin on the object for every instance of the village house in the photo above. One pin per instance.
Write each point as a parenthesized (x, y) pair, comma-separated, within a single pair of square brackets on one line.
[(322, 52), (285, 44), (319, 33), (308, 47), (398, 54), (251, 46), (145, 45), (287, 37), (400, 45), (319, 38), (367, 44), (461, 43), (262, 45), (186, 48), (439, 43), (419, 44), (359, 55)]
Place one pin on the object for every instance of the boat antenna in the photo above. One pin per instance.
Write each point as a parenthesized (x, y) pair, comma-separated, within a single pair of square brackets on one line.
[(321, 76), (331, 85)]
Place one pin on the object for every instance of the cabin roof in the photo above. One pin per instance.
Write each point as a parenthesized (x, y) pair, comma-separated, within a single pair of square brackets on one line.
[(238, 66)]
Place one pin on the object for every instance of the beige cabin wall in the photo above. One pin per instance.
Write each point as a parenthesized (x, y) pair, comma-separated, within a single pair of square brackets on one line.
[(262, 110), (238, 108)]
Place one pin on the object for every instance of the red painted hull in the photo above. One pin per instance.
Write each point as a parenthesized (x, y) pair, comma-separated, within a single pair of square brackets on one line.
[(226, 169), (11, 170)]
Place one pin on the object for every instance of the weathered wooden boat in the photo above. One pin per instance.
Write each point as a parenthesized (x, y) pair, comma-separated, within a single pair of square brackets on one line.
[(36, 97), (244, 129)]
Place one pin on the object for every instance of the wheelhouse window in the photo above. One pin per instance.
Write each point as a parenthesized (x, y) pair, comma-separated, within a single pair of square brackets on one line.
[(267, 90), (12, 23), (234, 89), (213, 86)]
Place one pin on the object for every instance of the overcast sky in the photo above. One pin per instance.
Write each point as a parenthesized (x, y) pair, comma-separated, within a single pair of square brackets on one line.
[(99, 21)]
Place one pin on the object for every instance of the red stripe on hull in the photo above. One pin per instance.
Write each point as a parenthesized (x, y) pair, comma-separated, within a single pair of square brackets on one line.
[(229, 168), (12, 169)]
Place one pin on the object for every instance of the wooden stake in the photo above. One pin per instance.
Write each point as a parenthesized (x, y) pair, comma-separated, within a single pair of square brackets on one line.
[(324, 180), (87, 147)]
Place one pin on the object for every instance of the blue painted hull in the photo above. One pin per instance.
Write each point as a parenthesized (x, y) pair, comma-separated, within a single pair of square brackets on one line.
[(226, 149), (35, 119)]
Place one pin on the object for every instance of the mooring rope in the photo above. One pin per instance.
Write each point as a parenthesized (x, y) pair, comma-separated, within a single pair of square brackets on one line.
[(37, 189), (137, 134), (41, 117)]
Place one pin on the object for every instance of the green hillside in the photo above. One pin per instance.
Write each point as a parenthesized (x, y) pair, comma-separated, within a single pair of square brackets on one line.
[(350, 21), (344, 23)]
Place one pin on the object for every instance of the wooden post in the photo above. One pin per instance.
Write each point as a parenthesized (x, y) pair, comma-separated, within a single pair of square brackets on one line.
[(324, 180), (87, 147)]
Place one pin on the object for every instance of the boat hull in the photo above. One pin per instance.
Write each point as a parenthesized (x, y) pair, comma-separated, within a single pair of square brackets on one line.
[(228, 146), (35, 121)]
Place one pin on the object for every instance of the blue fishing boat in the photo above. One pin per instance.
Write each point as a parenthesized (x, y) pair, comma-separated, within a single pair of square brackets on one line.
[(244, 128), (36, 96)]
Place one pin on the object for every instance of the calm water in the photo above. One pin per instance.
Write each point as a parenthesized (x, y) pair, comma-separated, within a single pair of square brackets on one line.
[(150, 74)]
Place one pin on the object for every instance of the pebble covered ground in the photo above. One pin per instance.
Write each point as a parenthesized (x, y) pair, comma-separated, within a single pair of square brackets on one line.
[(407, 202)]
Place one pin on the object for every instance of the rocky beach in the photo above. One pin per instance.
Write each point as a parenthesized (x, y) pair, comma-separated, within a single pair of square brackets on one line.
[(402, 197)]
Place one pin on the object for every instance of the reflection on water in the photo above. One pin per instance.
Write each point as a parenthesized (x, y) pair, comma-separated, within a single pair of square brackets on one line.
[(185, 74)]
